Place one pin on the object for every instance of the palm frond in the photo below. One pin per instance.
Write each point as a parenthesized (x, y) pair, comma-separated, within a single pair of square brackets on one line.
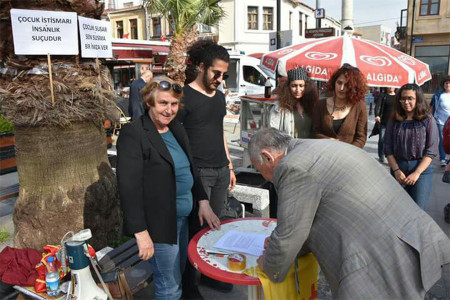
[(211, 13), (187, 13)]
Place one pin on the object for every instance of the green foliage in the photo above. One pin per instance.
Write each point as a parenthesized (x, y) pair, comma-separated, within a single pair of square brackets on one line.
[(187, 13), (3, 236), (5, 126)]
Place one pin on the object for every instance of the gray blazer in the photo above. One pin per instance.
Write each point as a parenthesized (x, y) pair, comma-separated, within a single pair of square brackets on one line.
[(370, 238)]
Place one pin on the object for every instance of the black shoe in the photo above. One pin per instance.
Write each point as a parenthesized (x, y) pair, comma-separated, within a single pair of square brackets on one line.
[(192, 294), (447, 213), (215, 284)]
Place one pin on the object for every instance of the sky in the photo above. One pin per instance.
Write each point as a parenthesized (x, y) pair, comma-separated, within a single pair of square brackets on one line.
[(366, 12)]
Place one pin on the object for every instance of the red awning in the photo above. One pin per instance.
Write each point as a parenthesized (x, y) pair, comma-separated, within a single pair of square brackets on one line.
[(125, 51), (160, 50)]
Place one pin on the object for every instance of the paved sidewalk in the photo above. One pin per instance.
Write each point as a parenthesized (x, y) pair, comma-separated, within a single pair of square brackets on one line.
[(439, 198)]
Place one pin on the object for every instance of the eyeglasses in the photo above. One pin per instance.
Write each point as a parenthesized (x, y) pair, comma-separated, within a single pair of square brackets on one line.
[(217, 75), (409, 99), (348, 66), (165, 86)]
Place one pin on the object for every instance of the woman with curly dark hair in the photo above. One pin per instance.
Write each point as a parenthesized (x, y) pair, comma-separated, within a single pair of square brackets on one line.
[(294, 110), (343, 116), (411, 143)]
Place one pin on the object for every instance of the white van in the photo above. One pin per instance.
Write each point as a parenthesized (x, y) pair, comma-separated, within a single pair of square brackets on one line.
[(247, 76)]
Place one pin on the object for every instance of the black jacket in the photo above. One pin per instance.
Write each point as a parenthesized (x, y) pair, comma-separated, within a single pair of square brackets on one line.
[(146, 179)]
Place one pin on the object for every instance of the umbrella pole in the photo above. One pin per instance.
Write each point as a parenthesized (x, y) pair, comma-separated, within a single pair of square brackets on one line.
[(278, 24), (276, 77)]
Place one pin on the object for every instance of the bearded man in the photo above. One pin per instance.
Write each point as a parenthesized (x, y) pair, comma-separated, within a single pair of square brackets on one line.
[(202, 117)]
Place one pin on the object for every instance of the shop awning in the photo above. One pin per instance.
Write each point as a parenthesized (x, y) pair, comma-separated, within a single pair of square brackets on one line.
[(133, 51)]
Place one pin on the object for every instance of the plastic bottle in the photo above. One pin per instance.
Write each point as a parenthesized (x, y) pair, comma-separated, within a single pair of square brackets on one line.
[(267, 88), (52, 277)]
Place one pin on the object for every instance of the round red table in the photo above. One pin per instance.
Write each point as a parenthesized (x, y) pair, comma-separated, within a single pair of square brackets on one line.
[(214, 266)]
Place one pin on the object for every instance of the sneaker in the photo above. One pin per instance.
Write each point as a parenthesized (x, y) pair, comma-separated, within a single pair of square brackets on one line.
[(443, 163)]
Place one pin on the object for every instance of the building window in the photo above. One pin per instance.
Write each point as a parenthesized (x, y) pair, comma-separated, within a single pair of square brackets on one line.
[(437, 57), (300, 24), (119, 29), (156, 26), (268, 18), (429, 7), (127, 4), (306, 22), (252, 17), (203, 28), (133, 29)]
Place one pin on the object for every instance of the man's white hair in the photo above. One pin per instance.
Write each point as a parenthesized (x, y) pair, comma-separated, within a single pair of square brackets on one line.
[(267, 139)]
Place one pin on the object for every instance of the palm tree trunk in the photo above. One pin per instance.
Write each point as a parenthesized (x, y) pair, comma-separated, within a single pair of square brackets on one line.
[(66, 184), (175, 64)]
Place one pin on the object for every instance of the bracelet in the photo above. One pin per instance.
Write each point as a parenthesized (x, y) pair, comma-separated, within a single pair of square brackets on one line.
[(395, 170)]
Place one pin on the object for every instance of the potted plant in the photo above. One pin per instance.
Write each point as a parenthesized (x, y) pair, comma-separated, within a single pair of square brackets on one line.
[(7, 148)]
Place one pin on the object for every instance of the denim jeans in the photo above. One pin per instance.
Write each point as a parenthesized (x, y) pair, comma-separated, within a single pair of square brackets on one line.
[(441, 142), (169, 262), (215, 182), (419, 192), (381, 141)]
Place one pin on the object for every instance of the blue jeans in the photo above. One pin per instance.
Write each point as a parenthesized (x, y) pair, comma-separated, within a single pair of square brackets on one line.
[(441, 142), (419, 192), (381, 141), (169, 262)]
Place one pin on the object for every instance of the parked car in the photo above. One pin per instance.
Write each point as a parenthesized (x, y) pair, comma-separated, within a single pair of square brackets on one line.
[(246, 77)]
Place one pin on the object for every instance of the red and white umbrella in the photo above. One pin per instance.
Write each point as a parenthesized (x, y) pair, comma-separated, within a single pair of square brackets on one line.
[(382, 65)]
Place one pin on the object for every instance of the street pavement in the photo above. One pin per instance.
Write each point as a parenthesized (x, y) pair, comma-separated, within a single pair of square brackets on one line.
[(440, 196)]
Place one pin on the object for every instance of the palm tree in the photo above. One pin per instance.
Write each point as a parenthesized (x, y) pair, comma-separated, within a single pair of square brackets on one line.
[(66, 182), (186, 15)]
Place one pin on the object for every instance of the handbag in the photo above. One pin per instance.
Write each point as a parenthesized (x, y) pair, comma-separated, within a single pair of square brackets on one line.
[(375, 129)]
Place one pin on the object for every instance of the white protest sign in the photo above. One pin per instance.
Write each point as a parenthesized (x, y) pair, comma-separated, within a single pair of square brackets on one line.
[(95, 38), (44, 32)]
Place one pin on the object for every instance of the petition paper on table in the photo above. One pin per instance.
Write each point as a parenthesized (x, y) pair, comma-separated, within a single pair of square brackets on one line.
[(242, 242)]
